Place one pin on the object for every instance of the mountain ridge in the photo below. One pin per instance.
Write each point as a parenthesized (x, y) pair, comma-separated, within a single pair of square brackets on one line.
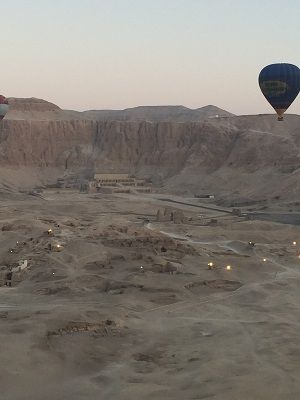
[(33, 108)]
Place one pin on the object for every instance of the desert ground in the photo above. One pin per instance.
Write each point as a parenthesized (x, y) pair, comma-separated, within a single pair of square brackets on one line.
[(117, 305)]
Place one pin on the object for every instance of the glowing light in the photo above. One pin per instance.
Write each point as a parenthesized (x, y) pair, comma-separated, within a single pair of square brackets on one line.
[(294, 243), (228, 267), (264, 259), (210, 264)]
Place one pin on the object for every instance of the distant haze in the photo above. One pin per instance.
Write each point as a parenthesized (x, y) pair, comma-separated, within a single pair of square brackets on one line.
[(101, 54)]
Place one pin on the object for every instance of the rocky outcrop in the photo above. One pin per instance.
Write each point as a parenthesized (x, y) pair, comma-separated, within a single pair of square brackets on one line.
[(33, 109), (33, 105)]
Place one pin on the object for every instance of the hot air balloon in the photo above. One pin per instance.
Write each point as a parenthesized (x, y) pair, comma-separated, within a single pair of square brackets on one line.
[(3, 107), (280, 84)]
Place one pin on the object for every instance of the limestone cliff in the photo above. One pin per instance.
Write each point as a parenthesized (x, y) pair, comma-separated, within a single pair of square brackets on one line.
[(249, 156)]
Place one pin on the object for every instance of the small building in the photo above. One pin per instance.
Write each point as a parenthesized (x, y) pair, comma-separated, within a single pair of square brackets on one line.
[(14, 274)]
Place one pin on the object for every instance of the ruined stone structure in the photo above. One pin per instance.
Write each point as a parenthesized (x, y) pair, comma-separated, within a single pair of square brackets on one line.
[(168, 214), (12, 275), (118, 183)]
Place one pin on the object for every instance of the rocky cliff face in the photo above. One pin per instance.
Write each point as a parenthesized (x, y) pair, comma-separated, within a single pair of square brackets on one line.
[(165, 146), (46, 143), (248, 156)]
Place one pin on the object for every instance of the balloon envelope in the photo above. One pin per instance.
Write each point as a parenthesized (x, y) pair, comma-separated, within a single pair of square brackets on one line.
[(3, 110), (3, 107), (3, 100), (280, 84)]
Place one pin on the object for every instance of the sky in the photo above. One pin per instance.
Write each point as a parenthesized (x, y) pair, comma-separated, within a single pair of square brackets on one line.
[(114, 54)]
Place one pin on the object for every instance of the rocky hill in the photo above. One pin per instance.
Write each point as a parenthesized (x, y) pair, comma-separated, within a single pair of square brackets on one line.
[(246, 157)]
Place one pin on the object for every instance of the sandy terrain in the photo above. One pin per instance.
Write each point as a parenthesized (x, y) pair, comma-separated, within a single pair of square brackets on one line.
[(87, 322)]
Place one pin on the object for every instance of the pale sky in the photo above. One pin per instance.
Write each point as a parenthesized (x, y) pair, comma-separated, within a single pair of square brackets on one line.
[(96, 54)]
